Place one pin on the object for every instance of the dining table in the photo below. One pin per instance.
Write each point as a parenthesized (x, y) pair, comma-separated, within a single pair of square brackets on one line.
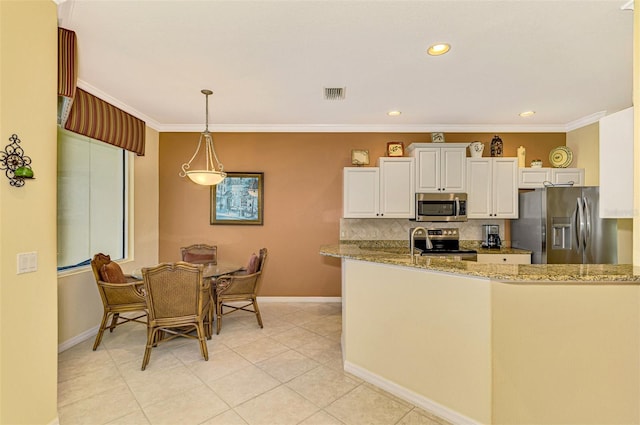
[(211, 271)]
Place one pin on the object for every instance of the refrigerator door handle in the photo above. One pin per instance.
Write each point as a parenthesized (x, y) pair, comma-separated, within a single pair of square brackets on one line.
[(579, 222), (587, 223)]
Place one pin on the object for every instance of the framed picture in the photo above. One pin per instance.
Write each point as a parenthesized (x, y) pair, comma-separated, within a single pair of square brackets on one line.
[(238, 199), (395, 149), (359, 157), (437, 137)]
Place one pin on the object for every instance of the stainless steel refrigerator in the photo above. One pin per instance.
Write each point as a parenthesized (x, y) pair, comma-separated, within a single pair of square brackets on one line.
[(561, 225)]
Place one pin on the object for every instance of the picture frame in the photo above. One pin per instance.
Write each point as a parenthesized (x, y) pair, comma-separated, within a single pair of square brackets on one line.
[(437, 137), (238, 199), (359, 157), (395, 149)]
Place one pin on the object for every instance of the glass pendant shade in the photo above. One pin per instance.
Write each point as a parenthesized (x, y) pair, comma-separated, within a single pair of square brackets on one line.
[(209, 176)]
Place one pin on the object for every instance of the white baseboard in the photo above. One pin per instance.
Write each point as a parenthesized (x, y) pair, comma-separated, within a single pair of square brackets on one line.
[(300, 299), (410, 396), (78, 339)]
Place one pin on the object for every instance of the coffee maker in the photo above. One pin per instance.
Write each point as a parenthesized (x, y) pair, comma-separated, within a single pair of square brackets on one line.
[(491, 236)]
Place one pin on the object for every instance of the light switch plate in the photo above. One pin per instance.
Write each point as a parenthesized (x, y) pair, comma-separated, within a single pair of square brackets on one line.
[(27, 262)]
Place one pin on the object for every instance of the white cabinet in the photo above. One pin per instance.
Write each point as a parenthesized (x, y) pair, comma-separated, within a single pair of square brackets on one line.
[(386, 191), (492, 187), (361, 192), (531, 178), (616, 165), (439, 168), (504, 258)]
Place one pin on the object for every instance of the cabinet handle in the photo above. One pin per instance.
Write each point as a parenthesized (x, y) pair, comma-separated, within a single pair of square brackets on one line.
[(504, 259)]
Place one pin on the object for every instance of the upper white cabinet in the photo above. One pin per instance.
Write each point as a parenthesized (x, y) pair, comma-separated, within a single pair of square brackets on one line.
[(386, 191), (531, 178), (616, 165), (492, 187), (361, 192), (439, 167)]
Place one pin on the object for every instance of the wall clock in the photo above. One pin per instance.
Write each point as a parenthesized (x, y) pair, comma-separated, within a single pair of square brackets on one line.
[(395, 149)]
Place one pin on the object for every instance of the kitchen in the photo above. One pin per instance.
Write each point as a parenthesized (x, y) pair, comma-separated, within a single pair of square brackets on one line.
[(62, 319)]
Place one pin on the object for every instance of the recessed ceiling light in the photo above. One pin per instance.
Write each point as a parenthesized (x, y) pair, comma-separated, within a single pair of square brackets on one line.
[(526, 114), (394, 113), (438, 49)]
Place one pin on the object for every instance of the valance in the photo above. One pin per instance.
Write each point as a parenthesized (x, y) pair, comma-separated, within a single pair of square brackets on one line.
[(95, 118), (66, 62)]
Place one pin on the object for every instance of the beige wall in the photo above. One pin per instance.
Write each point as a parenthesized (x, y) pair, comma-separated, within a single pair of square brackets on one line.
[(79, 304), (303, 198), (566, 354), (28, 325), (438, 347), (584, 143)]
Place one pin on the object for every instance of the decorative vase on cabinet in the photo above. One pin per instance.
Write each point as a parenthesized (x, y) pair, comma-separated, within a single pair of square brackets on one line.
[(496, 146)]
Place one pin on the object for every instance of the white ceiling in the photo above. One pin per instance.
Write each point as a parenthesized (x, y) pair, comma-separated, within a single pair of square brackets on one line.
[(268, 62)]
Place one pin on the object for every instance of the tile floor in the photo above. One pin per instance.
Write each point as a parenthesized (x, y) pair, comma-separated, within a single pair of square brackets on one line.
[(290, 372)]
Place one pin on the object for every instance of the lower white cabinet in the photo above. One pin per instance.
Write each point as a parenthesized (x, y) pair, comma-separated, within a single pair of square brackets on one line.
[(386, 191), (492, 187), (531, 178), (504, 258)]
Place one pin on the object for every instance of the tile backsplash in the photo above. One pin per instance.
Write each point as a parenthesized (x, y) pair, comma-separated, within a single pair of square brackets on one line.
[(398, 228)]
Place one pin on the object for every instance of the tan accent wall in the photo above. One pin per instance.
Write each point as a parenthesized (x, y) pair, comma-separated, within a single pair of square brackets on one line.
[(28, 326), (302, 198), (79, 304)]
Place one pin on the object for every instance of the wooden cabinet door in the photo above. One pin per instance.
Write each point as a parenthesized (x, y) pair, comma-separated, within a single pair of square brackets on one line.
[(397, 187), (505, 188), (453, 170), (479, 187), (361, 192), (428, 170)]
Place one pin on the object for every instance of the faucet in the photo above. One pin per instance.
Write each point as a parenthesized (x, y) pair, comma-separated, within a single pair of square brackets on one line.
[(413, 242)]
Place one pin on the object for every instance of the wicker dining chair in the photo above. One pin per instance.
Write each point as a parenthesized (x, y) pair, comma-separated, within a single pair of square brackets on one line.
[(178, 300), (200, 254), (120, 293), (240, 287)]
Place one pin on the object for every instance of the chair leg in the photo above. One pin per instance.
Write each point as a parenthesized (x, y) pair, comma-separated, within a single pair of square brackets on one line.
[(218, 316), (202, 341), (151, 335), (114, 321), (105, 318), (258, 316)]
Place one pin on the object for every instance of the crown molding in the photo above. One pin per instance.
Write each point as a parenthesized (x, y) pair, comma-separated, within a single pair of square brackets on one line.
[(585, 121), (363, 128)]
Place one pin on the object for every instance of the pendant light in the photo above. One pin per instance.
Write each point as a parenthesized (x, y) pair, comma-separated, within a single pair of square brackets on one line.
[(209, 176)]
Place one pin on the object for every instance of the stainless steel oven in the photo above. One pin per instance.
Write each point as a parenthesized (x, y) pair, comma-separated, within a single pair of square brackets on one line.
[(441, 207)]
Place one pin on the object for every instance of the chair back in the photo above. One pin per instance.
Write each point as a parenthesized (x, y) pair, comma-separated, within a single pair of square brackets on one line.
[(175, 291), (200, 254)]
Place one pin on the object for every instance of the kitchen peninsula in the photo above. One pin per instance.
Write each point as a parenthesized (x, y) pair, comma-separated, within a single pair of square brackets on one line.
[(494, 343)]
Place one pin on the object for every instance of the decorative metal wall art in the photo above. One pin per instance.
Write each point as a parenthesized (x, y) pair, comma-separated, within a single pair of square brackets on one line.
[(15, 162)]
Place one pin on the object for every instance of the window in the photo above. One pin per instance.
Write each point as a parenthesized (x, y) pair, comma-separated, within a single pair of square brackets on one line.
[(92, 200)]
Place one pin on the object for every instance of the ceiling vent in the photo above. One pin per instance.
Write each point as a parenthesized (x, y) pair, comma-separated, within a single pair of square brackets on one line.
[(335, 93)]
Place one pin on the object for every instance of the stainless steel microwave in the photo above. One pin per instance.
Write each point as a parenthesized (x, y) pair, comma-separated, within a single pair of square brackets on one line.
[(441, 207)]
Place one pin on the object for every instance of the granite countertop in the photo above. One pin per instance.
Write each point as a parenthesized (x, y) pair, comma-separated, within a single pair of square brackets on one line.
[(392, 252)]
